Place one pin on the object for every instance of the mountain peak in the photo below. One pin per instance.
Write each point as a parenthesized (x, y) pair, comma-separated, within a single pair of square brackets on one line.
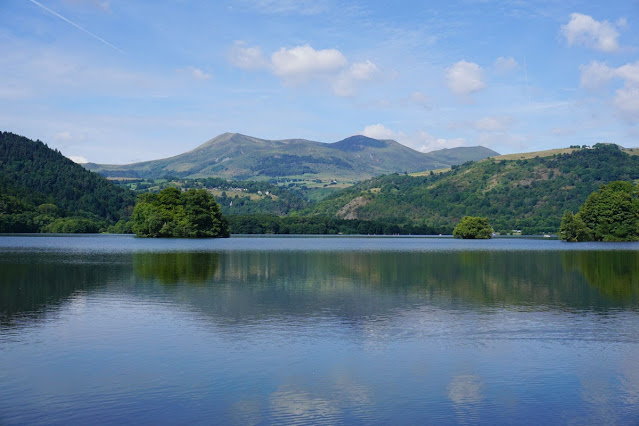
[(358, 143)]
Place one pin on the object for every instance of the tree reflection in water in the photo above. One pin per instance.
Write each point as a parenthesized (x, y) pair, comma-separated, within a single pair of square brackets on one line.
[(173, 268), (614, 273)]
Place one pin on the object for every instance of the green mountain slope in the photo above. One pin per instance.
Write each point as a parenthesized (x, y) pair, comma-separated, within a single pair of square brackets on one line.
[(38, 186), (526, 194), (236, 156)]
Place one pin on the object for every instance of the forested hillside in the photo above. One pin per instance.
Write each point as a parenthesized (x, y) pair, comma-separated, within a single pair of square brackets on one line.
[(526, 194), (42, 190)]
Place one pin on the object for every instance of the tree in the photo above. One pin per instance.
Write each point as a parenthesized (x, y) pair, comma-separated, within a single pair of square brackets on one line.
[(473, 228), (609, 214), (171, 213), (574, 229)]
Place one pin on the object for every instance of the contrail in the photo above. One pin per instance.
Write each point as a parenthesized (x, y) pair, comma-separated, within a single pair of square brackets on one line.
[(77, 26)]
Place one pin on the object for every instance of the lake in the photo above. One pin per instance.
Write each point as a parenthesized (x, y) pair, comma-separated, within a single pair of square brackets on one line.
[(113, 329)]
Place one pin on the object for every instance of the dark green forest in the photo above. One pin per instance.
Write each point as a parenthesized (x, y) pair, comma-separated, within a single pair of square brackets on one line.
[(43, 191), (271, 224)]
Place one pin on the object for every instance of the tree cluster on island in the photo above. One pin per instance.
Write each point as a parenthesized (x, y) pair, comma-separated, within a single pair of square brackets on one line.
[(173, 213), (473, 228)]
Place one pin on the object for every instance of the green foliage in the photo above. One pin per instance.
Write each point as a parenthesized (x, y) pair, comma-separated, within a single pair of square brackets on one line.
[(609, 214), (269, 224), (574, 229), (123, 226), (530, 195), (171, 213), (39, 187), (70, 225), (473, 228)]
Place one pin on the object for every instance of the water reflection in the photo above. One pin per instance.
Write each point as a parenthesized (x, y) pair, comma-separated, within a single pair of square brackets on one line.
[(614, 274), (176, 268), (356, 285), (352, 285), (261, 337), (33, 284)]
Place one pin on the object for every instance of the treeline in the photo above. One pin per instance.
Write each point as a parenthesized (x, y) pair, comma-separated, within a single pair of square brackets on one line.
[(528, 195), (321, 225), (43, 191)]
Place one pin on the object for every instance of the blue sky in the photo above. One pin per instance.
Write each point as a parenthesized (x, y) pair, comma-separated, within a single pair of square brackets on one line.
[(122, 80)]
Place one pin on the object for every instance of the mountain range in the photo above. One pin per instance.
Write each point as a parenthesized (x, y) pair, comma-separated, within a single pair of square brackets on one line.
[(237, 156)]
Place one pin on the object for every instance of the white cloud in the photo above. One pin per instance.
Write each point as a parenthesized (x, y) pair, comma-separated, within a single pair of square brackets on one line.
[(597, 75), (421, 99), (300, 63), (363, 70), (586, 31), (627, 103), (64, 136), (464, 78), (630, 73), (420, 140), (245, 57), (378, 131), (199, 74), (503, 65), (78, 159), (425, 142), (346, 82), (492, 124)]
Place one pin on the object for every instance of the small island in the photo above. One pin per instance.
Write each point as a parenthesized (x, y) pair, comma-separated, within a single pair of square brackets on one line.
[(473, 228), (173, 213)]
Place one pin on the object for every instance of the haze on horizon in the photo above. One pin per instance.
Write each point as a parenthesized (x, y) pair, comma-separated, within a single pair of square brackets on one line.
[(124, 81)]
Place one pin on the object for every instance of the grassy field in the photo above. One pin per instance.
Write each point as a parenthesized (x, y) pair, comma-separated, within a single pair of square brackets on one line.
[(427, 172), (529, 155)]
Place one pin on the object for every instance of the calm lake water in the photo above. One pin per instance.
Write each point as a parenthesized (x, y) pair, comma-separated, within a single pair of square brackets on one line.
[(334, 330)]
